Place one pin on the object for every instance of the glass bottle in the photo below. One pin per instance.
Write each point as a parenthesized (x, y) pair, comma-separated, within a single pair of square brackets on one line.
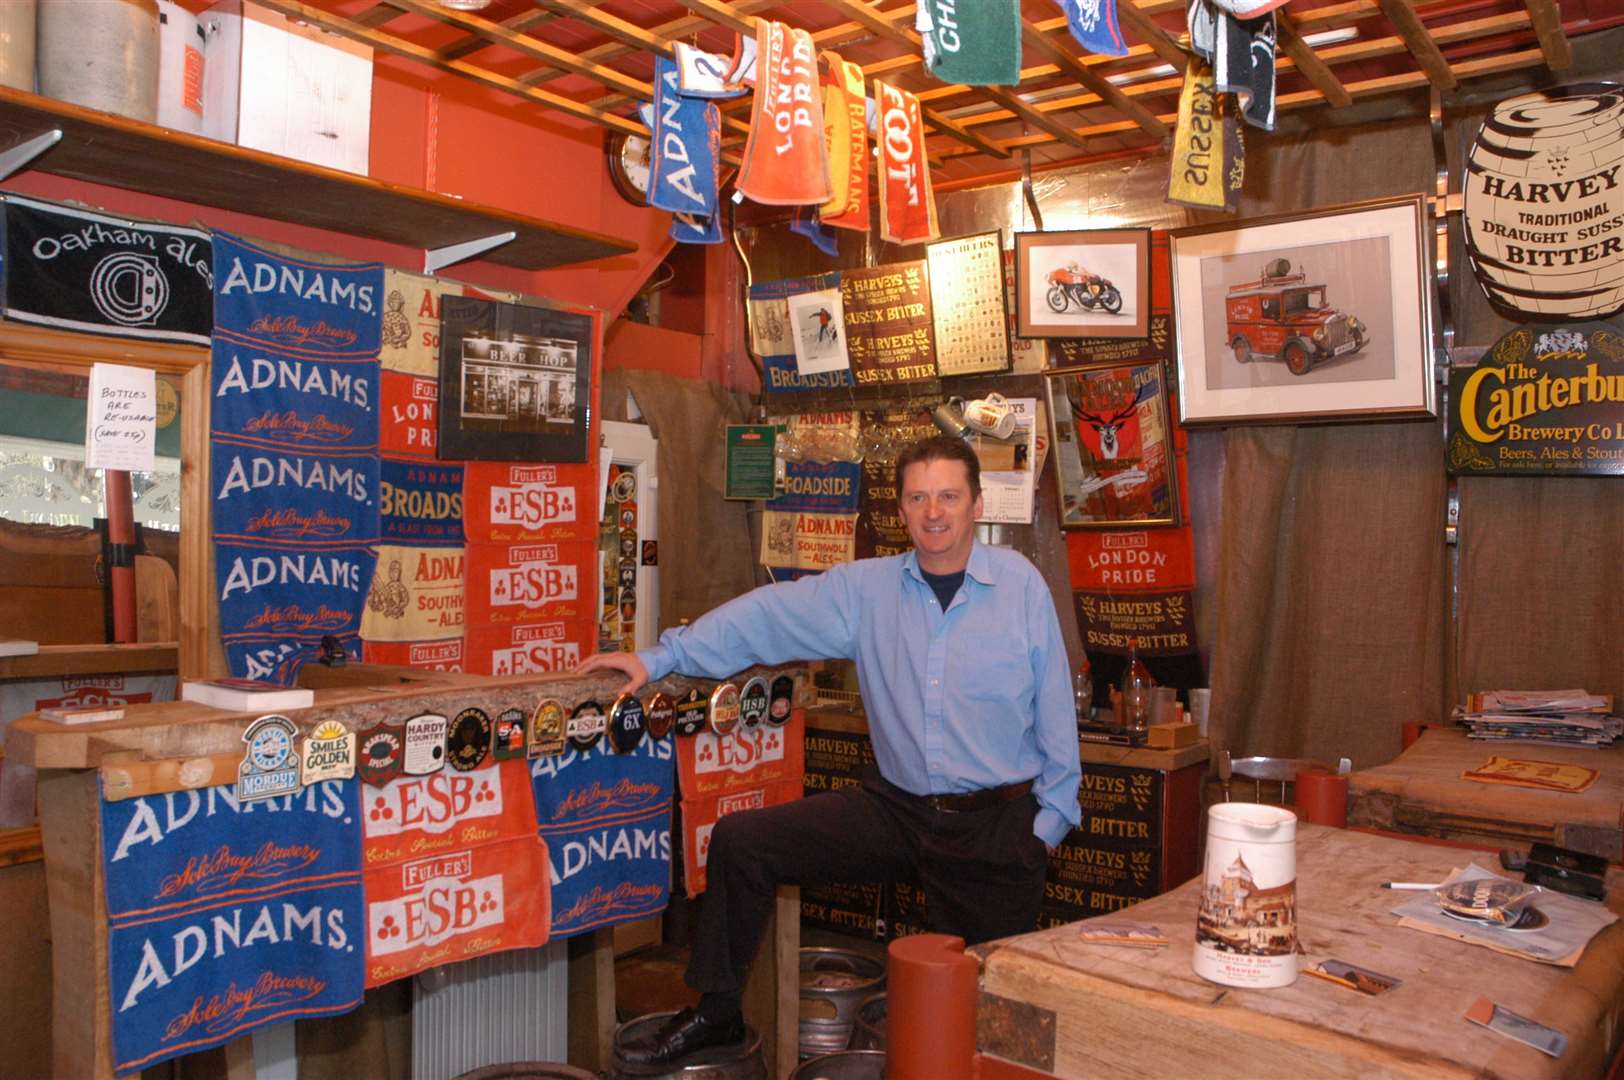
[(1136, 690), (1082, 691)]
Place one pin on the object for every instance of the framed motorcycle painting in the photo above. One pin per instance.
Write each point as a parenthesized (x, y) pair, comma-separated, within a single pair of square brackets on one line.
[(1083, 283), (1112, 435), (1324, 314)]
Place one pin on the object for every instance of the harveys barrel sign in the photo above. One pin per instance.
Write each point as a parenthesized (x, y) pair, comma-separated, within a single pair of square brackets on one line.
[(1544, 400), (1544, 204)]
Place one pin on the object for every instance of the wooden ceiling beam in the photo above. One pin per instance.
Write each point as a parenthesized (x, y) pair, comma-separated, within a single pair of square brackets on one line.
[(1553, 42), (908, 39), (721, 14), (1352, 52), (423, 55), (612, 25), (472, 43), (1410, 80), (1312, 67), (1401, 13), (497, 34), (1151, 33), (377, 15), (1093, 80), (671, 31)]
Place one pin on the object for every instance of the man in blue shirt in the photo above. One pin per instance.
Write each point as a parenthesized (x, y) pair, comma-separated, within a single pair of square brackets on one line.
[(964, 680)]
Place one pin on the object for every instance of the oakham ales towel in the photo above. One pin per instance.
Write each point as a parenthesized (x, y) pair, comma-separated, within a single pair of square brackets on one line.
[(785, 160)]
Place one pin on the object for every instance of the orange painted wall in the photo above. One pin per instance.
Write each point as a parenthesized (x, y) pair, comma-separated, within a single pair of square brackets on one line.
[(434, 130), (653, 348)]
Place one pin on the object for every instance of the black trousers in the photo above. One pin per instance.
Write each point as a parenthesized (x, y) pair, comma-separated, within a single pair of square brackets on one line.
[(981, 872)]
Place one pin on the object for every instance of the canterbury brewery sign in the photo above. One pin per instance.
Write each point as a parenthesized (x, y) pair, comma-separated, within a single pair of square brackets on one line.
[(1543, 400), (1544, 204)]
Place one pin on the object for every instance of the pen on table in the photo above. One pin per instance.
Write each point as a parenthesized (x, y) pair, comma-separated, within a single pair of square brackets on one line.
[(1414, 886)]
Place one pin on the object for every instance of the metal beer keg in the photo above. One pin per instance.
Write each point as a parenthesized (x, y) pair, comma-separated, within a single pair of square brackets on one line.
[(833, 983)]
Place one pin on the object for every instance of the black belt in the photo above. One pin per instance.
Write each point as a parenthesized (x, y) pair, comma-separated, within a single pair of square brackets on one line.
[(971, 801)]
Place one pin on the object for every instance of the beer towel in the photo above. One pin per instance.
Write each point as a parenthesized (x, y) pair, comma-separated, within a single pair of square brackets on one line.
[(845, 127), (704, 75), (225, 916), (1207, 165), (606, 819), (1241, 52), (806, 223), (785, 160), (907, 206), (1094, 24), (975, 42), (293, 453), (687, 141)]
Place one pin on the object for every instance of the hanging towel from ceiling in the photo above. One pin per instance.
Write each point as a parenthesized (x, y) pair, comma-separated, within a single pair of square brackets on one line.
[(785, 160), (1241, 52), (687, 144), (704, 75), (907, 206), (1207, 165), (975, 42), (1094, 24), (845, 126)]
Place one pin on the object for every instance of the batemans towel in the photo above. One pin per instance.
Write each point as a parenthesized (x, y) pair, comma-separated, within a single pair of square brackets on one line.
[(687, 143), (1094, 24), (1241, 52), (975, 42), (785, 160), (907, 206), (845, 127)]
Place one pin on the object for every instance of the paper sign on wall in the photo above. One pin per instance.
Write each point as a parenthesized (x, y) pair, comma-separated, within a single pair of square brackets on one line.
[(121, 426)]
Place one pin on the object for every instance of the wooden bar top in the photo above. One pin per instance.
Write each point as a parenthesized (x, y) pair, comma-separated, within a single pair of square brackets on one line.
[(1076, 1010), (1421, 791), (184, 729)]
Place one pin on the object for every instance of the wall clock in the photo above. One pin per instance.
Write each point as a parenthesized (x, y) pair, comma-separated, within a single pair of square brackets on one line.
[(629, 166)]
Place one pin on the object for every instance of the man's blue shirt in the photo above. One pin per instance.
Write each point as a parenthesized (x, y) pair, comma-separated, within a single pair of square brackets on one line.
[(974, 697)]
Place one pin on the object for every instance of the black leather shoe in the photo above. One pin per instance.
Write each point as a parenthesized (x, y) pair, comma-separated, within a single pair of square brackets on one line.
[(685, 1033)]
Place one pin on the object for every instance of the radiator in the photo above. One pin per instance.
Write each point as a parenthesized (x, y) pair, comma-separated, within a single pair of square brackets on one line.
[(509, 1006)]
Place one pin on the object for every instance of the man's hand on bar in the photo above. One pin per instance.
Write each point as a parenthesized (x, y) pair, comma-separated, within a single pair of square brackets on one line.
[(626, 663)]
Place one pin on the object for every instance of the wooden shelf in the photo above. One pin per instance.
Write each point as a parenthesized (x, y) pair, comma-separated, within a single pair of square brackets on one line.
[(123, 153), (55, 660)]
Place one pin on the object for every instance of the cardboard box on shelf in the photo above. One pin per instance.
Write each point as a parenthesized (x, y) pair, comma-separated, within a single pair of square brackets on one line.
[(277, 85)]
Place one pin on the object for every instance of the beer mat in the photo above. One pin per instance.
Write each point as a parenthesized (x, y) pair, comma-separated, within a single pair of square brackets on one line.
[(1572, 923), (1512, 1025), (1543, 775), (1116, 932), (1353, 977)]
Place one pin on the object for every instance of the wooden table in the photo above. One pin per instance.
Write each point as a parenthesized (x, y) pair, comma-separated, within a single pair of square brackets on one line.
[(1421, 792), (1067, 1009)]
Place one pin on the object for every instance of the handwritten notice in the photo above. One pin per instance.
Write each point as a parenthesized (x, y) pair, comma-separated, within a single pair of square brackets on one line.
[(121, 424)]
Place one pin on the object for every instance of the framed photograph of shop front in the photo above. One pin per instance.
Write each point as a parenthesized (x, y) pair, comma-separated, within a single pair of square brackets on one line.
[(1084, 283), (1319, 315), (1112, 436), (514, 381)]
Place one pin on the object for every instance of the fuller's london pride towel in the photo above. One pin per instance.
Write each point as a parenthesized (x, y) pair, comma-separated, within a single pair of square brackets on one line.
[(606, 818), (687, 142), (224, 917), (975, 42), (293, 453), (907, 206), (73, 269), (785, 160)]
